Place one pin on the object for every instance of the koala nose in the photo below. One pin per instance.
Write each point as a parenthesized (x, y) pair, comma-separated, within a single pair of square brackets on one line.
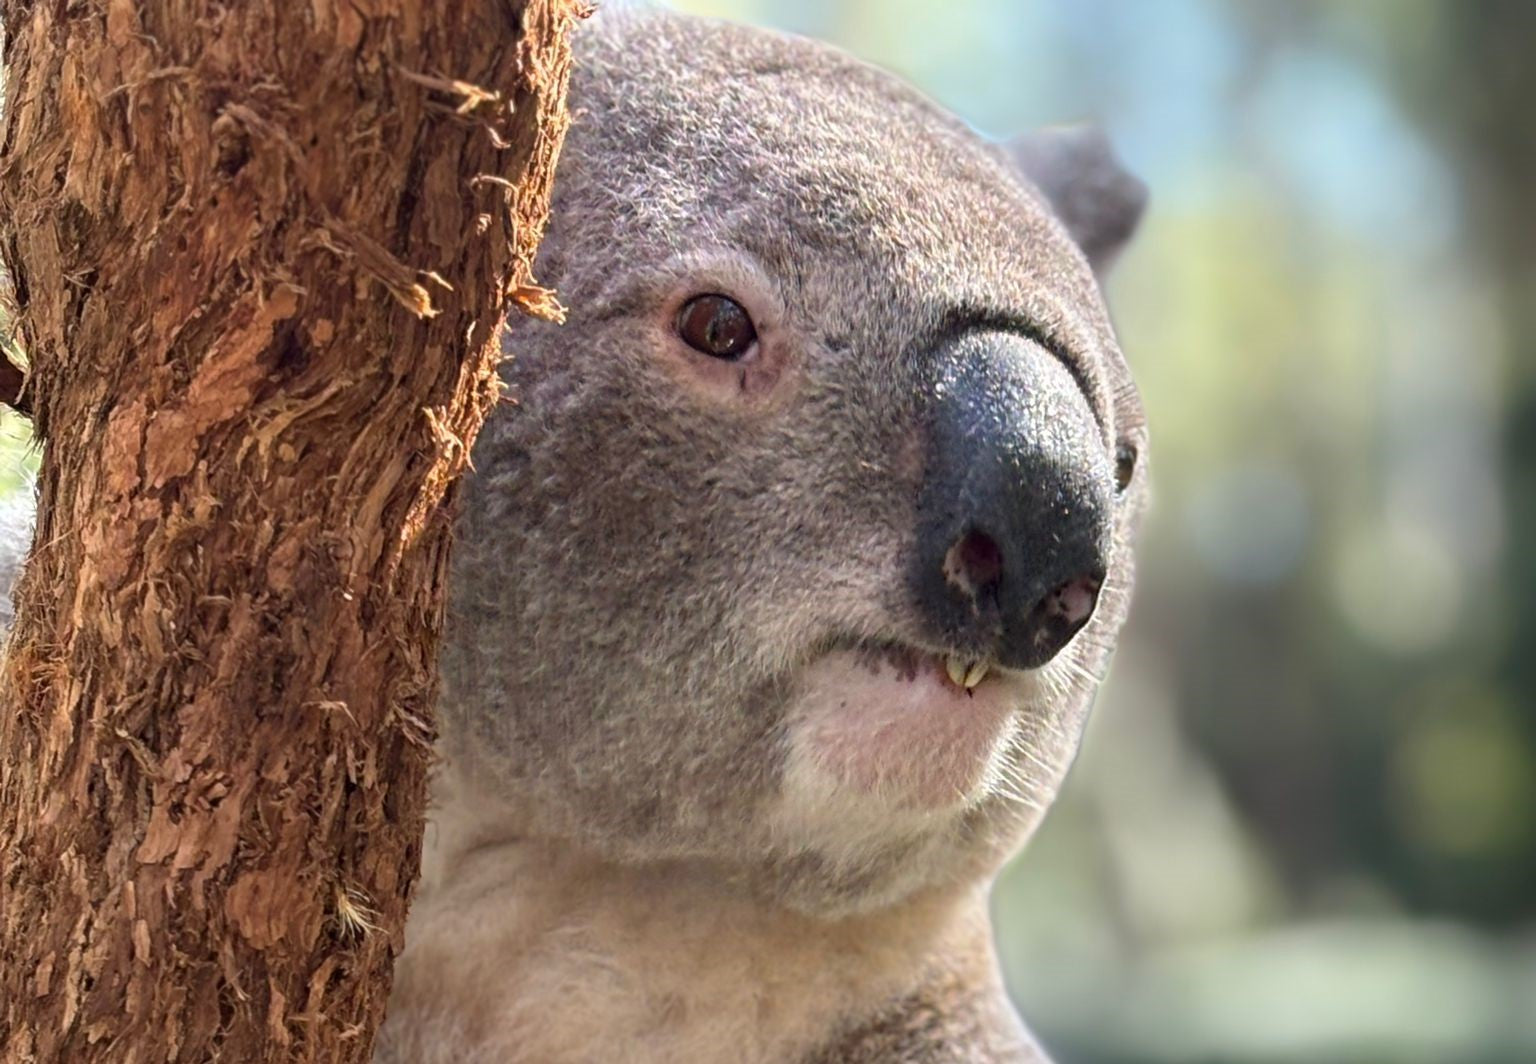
[(1017, 505)]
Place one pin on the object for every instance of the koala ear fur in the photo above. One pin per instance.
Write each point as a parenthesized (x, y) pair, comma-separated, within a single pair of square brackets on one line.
[(1097, 199)]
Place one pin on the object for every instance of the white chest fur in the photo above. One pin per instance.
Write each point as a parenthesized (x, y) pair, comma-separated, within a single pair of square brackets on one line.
[(519, 952)]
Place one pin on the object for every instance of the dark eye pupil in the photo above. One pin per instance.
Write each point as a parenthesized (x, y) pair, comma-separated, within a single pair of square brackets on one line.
[(716, 325), (1125, 465)]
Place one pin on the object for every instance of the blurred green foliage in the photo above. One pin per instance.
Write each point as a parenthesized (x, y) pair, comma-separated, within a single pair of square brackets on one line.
[(18, 458)]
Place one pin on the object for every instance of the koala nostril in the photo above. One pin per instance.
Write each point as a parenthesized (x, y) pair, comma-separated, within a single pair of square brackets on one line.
[(1073, 601), (1062, 613), (973, 565)]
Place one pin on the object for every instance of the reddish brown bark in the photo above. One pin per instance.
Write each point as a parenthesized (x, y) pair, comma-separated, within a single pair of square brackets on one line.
[(259, 253)]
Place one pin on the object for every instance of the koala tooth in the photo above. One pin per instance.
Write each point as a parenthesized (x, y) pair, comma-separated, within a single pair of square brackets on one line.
[(956, 669), (975, 674)]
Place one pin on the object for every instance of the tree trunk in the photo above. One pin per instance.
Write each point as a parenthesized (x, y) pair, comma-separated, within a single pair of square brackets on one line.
[(259, 251)]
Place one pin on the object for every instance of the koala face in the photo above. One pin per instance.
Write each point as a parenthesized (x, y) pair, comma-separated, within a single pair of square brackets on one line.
[(798, 550)]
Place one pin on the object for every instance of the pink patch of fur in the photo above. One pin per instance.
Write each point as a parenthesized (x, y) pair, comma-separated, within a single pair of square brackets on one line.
[(901, 730)]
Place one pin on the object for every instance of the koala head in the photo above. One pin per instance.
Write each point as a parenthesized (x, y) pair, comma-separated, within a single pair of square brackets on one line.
[(796, 553)]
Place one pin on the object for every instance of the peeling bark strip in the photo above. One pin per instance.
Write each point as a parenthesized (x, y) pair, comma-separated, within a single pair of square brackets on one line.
[(259, 251)]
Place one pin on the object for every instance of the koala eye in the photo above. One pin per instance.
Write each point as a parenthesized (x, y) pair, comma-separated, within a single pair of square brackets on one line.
[(716, 325), (1125, 465)]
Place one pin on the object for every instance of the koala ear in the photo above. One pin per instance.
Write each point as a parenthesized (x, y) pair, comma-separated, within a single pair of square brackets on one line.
[(1097, 199)]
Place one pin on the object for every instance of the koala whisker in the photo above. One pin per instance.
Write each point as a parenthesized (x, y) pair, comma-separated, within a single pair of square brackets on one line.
[(1013, 792), (1082, 673), (1023, 750)]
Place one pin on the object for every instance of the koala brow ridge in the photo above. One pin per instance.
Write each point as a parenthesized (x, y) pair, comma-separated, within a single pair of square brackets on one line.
[(962, 320)]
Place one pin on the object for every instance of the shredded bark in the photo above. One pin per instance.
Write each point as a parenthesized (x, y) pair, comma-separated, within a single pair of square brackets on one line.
[(259, 287)]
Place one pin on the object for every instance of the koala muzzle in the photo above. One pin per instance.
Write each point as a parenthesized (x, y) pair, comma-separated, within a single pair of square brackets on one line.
[(1017, 507)]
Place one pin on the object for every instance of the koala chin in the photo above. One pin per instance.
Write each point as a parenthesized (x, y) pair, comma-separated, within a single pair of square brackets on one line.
[(786, 577)]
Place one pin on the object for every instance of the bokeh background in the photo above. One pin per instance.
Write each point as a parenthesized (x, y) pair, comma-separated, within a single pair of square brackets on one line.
[(1303, 825)]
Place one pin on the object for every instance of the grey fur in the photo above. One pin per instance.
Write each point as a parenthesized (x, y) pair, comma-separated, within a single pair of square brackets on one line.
[(642, 571), (650, 552), (16, 518), (622, 545)]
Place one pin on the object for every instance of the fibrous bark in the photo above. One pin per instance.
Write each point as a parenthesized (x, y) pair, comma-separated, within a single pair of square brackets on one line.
[(259, 252)]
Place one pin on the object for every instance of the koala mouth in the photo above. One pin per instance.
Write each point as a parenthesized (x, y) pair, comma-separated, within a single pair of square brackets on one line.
[(903, 726), (963, 673)]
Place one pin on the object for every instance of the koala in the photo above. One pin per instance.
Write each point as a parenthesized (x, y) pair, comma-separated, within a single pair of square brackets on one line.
[(785, 578)]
